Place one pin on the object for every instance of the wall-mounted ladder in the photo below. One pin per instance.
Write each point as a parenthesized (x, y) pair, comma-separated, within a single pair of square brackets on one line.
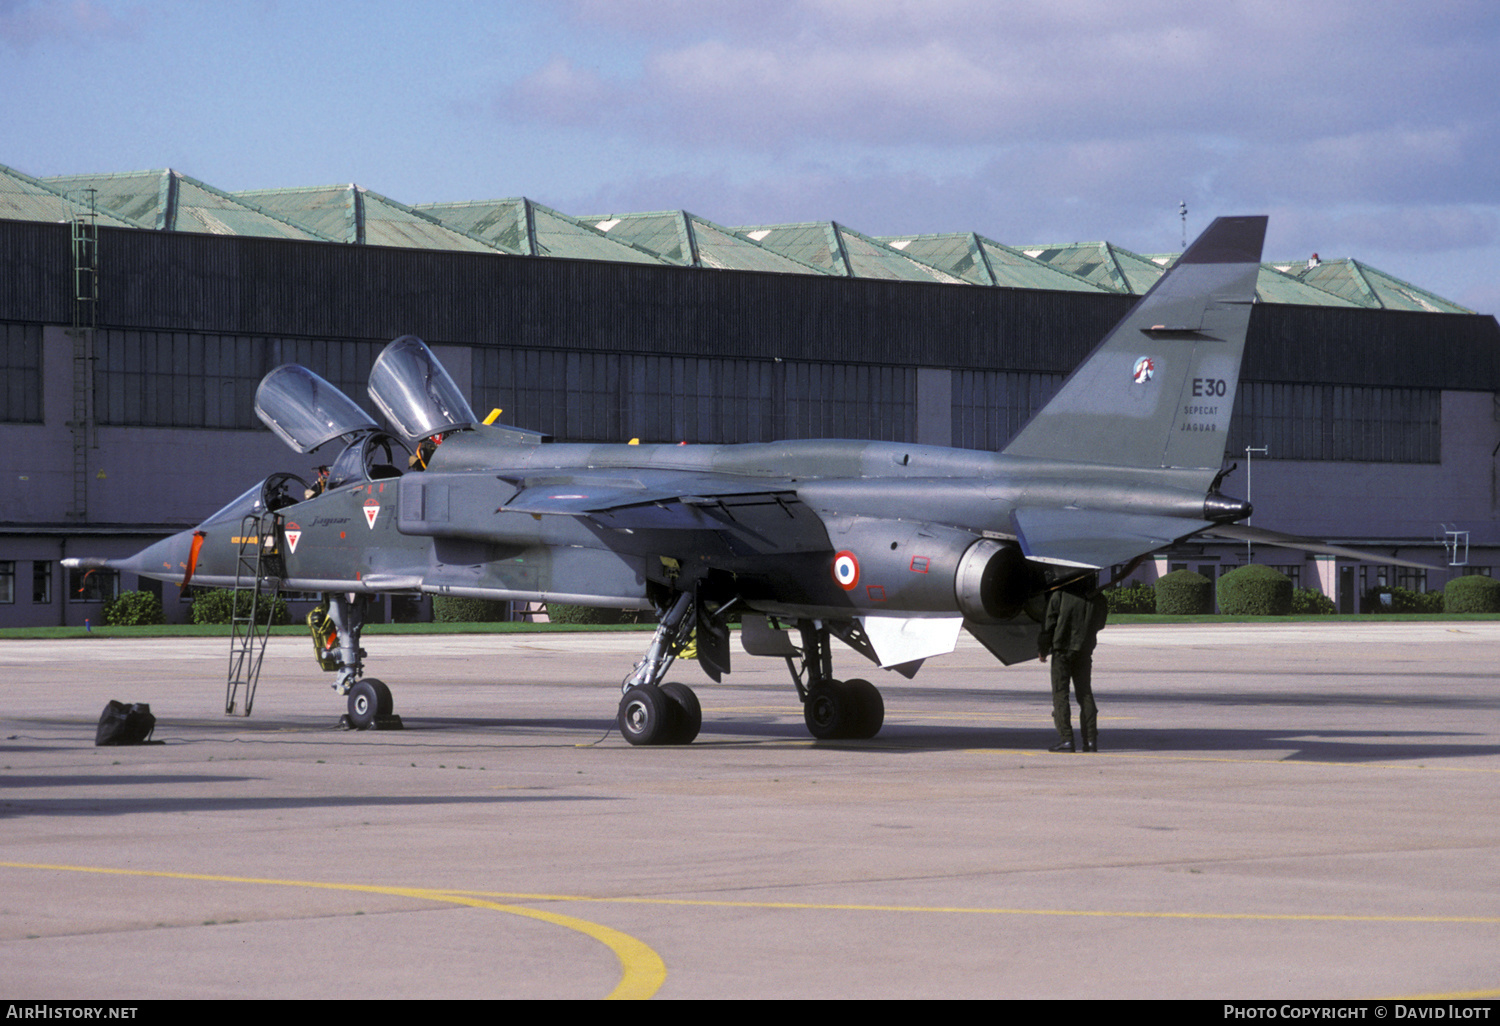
[(85, 238)]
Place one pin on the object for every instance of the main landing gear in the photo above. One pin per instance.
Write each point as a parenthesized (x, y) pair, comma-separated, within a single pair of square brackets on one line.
[(833, 709), (653, 713)]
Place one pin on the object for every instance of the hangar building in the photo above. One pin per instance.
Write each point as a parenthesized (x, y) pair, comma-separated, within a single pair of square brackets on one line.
[(139, 311)]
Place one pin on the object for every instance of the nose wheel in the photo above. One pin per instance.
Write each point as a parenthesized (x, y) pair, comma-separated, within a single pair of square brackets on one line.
[(370, 707)]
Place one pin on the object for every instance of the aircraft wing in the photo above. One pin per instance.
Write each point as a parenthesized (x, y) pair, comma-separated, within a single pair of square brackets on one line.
[(603, 494), (757, 516), (1261, 536), (1091, 538)]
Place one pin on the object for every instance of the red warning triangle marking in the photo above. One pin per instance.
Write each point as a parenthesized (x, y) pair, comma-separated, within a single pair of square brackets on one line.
[(293, 535), (372, 510)]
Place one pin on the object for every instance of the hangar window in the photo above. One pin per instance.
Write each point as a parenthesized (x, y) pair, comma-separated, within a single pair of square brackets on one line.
[(822, 400), (21, 373), (1338, 422), (187, 379), (611, 397), (989, 407), (7, 581)]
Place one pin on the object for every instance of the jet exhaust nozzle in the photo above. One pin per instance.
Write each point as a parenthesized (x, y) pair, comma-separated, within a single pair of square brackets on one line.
[(992, 583), (1222, 509)]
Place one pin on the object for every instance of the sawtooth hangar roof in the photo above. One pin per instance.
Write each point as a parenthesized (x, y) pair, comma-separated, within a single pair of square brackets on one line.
[(167, 200)]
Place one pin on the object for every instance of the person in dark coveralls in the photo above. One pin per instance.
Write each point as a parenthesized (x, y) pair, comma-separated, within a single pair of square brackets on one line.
[(1075, 615)]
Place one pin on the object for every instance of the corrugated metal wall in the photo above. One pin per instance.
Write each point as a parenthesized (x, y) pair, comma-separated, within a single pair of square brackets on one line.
[(253, 286)]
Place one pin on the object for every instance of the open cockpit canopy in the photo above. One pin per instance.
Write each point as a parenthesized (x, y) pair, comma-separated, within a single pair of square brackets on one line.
[(306, 411), (415, 392)]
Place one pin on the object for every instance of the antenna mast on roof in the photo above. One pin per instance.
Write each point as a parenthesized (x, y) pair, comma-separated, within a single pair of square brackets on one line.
[(1182, 211)]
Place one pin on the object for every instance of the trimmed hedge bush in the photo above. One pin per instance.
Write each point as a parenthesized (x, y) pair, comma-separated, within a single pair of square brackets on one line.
[(1309, 602), (1184, 593), (1472, 594), (1404, 600), (558, 612), (134, 609), (218, 606), (453, 609), (1138, 598), (1255, 591)]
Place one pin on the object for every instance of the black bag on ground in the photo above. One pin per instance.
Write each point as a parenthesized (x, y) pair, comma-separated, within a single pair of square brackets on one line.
[(123, 724)]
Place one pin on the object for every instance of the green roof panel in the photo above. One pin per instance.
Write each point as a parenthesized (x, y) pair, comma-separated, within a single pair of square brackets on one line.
[(815, 244), (524, 226), (168, 200), (983, 261), (662, 232), (844, 251), (23, 198), (353, 214), (172, 201)]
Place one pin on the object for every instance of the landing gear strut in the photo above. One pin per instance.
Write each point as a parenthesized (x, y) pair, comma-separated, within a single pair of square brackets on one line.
[(833, 709), (370, 705), (653, 713)]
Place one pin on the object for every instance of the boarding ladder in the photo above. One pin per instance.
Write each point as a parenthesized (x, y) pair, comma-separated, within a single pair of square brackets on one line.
[(257, 580)]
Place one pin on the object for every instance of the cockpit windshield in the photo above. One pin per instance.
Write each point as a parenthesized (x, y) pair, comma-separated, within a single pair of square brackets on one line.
[(375, 457), (276, 492), (415, 392), (306, 411)]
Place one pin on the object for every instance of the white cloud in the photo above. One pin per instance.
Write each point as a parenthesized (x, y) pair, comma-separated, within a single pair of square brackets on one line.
[(1027, 120)]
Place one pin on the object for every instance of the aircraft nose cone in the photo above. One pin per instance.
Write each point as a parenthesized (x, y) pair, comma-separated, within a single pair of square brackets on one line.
[(166, 560)]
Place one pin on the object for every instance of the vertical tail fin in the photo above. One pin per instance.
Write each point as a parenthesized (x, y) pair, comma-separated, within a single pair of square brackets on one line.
[(1158, 391)]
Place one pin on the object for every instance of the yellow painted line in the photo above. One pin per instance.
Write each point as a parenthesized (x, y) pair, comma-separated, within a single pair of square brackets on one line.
[(1312, 917), (642, 970)]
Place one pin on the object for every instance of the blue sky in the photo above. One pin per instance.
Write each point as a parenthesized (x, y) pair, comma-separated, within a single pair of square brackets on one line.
[(1365, 129)]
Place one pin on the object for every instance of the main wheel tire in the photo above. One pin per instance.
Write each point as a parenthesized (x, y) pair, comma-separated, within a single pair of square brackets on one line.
[(687, 710), (647, 717), (869, 708), (364, 704), (829, 711)]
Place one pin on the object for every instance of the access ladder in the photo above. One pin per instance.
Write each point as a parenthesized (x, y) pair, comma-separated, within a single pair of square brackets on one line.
[(257, 580)]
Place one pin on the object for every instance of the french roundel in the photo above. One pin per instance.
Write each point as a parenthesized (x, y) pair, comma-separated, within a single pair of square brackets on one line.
[(846, 570)]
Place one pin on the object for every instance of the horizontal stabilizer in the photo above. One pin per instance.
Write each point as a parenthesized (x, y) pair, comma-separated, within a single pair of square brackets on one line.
[(1092, 538), (1261, 536)]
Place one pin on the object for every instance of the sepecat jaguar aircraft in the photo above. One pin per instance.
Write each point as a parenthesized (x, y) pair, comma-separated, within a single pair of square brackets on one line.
[(891, 548)]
